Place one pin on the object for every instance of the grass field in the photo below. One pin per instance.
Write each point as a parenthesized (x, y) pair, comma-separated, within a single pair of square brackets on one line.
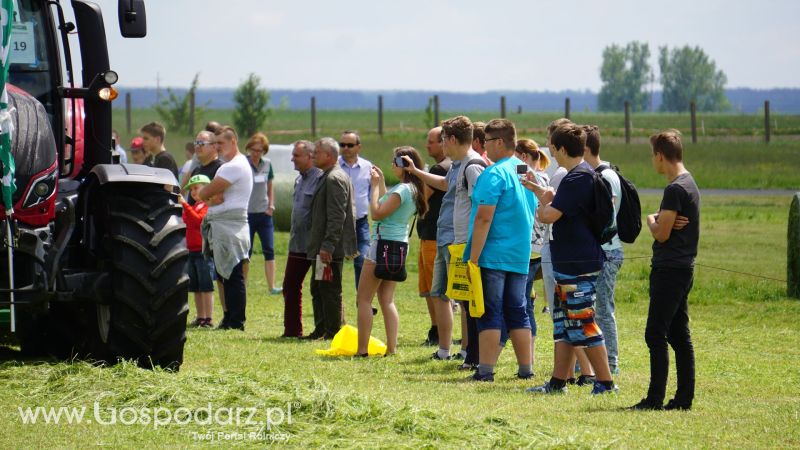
[(732, 159), (744, 330)]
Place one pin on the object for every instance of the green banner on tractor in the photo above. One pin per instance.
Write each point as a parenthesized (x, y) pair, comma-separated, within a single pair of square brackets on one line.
[(6, 124)]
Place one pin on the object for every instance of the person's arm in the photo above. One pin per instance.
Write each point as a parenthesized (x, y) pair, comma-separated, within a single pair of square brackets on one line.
[(661, 224), (217, 186), (270, 198), (548, 214), (380, 211), (435, 181), (480, 230)]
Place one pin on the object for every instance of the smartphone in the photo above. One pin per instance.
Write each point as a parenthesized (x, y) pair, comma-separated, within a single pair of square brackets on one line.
[(400, 162)]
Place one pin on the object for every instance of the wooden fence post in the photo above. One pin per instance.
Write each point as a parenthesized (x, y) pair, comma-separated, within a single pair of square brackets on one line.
[(380, 115), (314, 116), (190, 125), (567, 107), (693, 110), (128, 107), (627, 122), (435, 110), (767, 129), (502, 106), (793, 257)]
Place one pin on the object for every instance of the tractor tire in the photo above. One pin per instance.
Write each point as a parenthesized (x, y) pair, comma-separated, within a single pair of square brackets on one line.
[(145, 239)]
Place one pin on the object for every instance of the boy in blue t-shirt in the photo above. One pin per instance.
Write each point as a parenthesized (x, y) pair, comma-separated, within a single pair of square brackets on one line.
[(499, 245), (577, 260)]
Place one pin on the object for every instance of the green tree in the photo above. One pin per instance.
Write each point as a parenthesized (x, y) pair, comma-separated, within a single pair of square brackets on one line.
[(625, 73), (688, 74), (174, 110), (251, 106)]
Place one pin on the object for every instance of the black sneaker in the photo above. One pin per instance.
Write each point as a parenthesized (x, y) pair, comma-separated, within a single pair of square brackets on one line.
[(586, 380), (468, 366), (489, 377), (196, 323), (459, 356), (672, 405), (646, 405), (525, 377)]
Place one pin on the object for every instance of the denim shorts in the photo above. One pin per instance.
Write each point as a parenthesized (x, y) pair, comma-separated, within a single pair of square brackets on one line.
[(504, 302), (573, 312), (439, 281), (200, 272), (261, 224), (372, 251)]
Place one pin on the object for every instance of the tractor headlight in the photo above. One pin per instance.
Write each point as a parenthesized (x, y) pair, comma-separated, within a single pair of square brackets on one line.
[(111, 77), (41, 189)]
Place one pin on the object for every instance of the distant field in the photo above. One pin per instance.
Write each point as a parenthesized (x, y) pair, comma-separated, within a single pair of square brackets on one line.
[(731, 155)]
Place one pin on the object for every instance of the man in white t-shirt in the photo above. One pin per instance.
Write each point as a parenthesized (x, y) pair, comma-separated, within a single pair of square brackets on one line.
[(225, 230), (606, 281)]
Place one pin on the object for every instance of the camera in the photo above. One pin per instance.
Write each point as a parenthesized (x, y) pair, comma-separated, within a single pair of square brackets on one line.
[(400, 162)]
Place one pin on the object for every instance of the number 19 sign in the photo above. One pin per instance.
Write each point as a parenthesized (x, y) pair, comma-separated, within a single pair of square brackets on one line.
[(23, 45)]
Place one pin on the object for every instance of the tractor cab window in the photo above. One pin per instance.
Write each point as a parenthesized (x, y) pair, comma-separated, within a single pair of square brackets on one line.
[(29, 67)]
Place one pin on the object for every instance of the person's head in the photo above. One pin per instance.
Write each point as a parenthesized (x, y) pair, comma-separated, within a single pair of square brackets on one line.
[(667, 149), (326, 152), (188, 150), (153, 135), (592, 139), (529, 152), (137, 150), (456, 135), (257, 146), (567, 141), (434, 144), (204, 147), (501, 138), (408, 177), (478, 137), (302, 155), (555, 124), (227, 142), (213, 126), (350, 145), (194, 185)]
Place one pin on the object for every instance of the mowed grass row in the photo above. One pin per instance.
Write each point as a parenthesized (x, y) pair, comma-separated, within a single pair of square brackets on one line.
[(744, 331), (716, 162)]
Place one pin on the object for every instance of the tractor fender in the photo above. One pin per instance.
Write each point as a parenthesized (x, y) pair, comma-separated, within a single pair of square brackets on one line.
[(132, 173)]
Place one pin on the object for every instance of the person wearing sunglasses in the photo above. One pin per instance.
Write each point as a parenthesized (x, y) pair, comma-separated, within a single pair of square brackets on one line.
[(358, 169)]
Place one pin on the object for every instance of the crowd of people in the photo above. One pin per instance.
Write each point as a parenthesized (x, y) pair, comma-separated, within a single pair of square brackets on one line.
[(489, 192)]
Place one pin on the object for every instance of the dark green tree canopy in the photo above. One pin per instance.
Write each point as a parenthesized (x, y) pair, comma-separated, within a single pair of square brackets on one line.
[(688, 74), (625, 73), (251, 106)]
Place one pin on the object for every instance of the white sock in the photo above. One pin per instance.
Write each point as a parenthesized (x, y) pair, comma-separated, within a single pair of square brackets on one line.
[(443, 353), (463, 353)]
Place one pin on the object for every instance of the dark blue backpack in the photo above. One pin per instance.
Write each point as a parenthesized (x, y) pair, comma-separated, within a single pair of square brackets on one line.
[(601, 215)]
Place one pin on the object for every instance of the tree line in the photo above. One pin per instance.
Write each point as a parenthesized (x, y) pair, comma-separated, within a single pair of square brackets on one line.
[(687, 74)]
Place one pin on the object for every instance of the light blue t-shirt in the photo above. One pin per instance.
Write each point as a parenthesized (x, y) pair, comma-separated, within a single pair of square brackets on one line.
[(395, 226), (508, 243)]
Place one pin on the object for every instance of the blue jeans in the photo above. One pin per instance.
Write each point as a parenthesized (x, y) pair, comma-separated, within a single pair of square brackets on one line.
[(261, 223), (362, 239), (503, 300), (533, 267), (604, 304)]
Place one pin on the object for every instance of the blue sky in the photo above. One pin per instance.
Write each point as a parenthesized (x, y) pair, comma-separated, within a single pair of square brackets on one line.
[(449, 45)]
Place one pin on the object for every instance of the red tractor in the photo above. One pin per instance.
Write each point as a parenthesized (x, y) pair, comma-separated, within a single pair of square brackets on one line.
[(94, 258)]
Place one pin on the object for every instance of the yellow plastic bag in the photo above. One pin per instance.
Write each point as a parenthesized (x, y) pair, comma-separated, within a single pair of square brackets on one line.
[(458, 287), (476, 308), (345, 343)]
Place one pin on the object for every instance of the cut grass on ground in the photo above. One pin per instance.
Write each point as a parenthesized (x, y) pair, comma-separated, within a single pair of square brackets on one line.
[(744, 331)]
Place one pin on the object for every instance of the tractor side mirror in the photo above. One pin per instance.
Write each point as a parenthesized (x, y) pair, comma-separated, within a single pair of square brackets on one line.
[(132, 18)]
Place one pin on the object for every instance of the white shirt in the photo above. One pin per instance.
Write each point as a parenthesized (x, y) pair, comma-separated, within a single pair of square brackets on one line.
[(237, 172), (616, 197)]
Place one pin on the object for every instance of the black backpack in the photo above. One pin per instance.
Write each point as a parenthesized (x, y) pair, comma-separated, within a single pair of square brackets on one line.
[(629, 217), (478, 161), (601, 216)]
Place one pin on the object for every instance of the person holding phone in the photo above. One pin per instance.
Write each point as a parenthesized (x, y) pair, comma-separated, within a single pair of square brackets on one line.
[(390, 210)]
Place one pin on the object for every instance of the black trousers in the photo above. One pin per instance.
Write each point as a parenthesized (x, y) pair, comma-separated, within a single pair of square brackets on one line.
[(473, 347), (326, 299), (668, 323), (235, 298)]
